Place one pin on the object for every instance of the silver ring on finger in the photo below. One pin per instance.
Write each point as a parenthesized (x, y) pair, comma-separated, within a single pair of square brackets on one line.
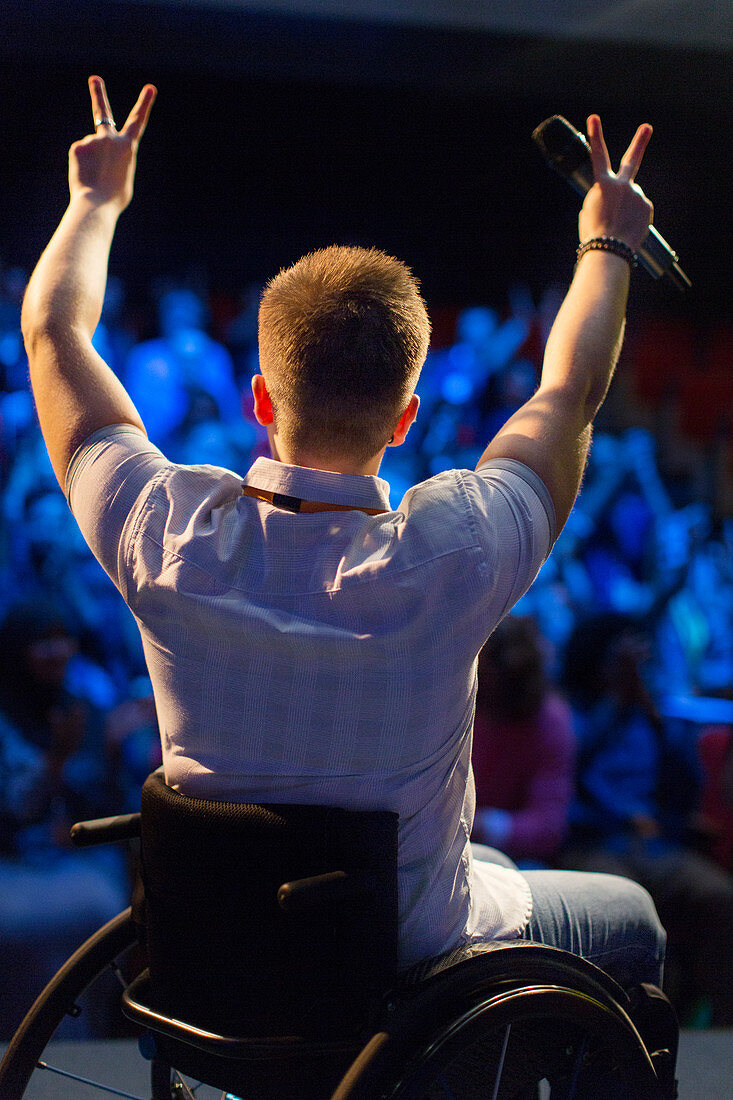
[(104, 122)]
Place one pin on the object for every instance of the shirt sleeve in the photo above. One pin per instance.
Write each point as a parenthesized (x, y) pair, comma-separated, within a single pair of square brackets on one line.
[(109, 479), (515, 518)]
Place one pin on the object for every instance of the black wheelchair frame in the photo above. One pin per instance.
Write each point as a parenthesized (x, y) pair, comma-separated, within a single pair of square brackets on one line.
[(323, 1012)]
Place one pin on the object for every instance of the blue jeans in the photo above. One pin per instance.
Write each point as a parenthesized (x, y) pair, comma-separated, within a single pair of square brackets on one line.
[(609, 920)]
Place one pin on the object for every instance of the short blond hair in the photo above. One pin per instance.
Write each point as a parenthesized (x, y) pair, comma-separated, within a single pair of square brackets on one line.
[(343, 335)]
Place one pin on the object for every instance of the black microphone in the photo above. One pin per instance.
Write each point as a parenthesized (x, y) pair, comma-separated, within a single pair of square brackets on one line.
[(568, 152)]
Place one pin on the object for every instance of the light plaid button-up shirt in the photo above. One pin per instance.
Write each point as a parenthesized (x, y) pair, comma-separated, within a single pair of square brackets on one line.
[(326, 657)]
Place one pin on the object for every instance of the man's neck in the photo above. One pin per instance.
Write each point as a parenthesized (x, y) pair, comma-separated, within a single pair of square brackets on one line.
[(339, 465)]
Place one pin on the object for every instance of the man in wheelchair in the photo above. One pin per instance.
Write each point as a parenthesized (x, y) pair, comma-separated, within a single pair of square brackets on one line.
[(309, 645)]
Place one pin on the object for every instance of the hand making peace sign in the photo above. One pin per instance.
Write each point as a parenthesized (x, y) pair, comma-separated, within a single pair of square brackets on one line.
[(102, 165), (616, 206)]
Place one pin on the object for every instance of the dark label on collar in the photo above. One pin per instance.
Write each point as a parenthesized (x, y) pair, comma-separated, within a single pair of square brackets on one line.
[(290, 504)]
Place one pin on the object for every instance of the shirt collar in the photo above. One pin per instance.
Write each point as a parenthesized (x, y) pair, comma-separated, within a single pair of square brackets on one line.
[(365, 490)]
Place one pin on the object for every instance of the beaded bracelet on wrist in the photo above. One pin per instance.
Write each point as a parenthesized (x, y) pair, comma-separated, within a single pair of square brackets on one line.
[(607, 244)]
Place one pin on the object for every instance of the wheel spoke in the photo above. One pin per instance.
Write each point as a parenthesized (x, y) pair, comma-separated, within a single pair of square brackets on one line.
[(500, 1067), (88, 1081), (576, 1067)]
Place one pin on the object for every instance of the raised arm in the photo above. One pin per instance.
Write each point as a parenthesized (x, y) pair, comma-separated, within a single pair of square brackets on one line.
[(551, 432), (74, 389)]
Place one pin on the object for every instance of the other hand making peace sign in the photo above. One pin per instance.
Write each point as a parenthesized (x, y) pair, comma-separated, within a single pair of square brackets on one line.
[(616, 206), (102, 165)]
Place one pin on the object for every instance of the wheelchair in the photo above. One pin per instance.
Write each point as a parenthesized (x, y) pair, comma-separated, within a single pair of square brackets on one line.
[(259, 957)]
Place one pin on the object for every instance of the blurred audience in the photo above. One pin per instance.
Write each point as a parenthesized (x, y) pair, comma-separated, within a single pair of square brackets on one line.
[(182, 378), (523, 749), (634, 812), (53, 771)]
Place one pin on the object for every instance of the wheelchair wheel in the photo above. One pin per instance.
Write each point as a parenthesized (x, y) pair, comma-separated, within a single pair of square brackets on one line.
[(531, 1043), (107, 950), (518, 1042)]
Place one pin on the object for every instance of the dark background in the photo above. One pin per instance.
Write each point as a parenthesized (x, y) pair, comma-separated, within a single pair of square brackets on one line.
[(273, 135)]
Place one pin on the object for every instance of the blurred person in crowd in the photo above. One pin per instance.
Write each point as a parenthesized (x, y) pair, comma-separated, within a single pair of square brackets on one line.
[(694, 629), (625, 548), (565, 590), (53, 771), (637, 791), (485, 345), (608, 550), (523, 748), (48, 557), (455, 384), (211, 442), (182, 376), (30, 471)]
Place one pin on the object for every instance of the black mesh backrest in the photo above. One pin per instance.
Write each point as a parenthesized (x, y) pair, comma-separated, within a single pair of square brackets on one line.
[(223, 954)]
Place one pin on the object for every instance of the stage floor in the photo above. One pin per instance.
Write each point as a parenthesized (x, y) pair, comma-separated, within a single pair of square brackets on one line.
[(704, 1069)]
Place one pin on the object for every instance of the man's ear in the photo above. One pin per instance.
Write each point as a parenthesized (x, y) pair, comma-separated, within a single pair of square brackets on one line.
[(405, 421), (263, 404)]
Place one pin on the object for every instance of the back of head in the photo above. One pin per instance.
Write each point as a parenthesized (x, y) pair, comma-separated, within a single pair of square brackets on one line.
[(343, 336)]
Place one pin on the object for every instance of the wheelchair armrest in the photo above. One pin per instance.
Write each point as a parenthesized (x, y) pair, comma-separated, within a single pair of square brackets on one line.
[(105, 830), (310, 894)]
